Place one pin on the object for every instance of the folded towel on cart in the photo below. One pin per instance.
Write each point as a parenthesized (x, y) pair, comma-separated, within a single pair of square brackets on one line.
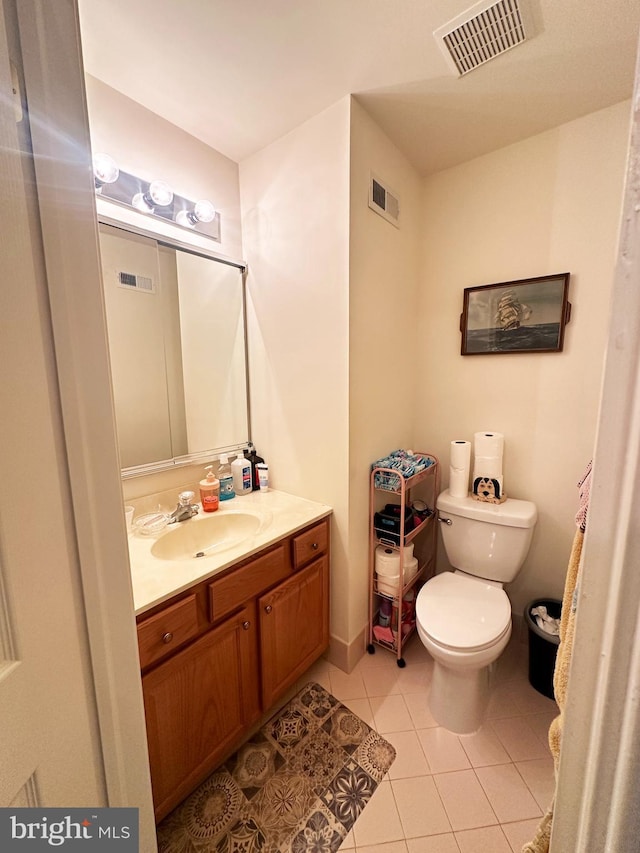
[(406, 462)]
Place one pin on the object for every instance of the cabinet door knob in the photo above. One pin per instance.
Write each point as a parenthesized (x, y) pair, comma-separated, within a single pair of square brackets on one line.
[(246, 625), (166, 638), (314, 546), (268, 608)]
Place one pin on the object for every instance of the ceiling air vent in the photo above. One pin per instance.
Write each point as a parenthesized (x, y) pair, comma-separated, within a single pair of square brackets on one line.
[(384, 201), (483, 32), (136, 282)]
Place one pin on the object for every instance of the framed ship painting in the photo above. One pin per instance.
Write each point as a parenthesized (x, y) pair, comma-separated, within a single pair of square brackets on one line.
[(516, 316)]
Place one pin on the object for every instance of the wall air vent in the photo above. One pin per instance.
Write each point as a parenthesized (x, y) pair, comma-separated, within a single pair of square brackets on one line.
[(483, 32), (384, 201), (131, 281)]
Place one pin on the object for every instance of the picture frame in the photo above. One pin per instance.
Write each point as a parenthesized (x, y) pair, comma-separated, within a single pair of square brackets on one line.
[(528, 315)]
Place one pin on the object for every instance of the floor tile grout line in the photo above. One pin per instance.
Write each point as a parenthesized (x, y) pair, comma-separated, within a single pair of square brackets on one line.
[(483, 826), (512, 763), (542, 807), (441, 803), (519, 710)]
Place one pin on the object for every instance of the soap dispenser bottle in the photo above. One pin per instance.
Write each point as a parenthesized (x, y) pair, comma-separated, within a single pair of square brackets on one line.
[(241, 470), (226, 479), (210, 491)]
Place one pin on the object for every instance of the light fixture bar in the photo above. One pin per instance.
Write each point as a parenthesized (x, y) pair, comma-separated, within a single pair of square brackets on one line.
[(156, 199)]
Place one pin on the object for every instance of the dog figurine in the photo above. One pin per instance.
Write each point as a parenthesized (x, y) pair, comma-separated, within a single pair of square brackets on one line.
[(487, 489)]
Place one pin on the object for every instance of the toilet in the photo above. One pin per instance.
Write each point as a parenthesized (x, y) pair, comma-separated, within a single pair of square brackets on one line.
[(463, 617)]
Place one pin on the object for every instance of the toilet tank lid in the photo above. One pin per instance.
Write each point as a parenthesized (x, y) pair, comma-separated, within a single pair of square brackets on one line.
[(511, 513)]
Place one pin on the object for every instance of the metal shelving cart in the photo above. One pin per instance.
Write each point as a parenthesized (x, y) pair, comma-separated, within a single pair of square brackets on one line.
[(409, 493)]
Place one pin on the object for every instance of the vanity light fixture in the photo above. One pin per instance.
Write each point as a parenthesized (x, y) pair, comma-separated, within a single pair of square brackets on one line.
[(159, 194), (105, 170), (202, 211), (154, 199)]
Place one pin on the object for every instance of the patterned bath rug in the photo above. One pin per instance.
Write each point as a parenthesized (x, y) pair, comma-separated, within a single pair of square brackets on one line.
[(297, 786)]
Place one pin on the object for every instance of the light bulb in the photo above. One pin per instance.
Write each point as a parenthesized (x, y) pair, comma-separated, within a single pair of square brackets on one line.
[(186, 218), (105, 170), (138, 201), (159, 194), (203, 211)]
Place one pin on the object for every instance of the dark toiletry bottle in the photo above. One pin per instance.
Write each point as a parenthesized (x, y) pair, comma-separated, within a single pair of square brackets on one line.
[(253, 457)]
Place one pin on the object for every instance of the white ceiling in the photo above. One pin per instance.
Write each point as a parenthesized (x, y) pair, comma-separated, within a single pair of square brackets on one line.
[(238, 74)]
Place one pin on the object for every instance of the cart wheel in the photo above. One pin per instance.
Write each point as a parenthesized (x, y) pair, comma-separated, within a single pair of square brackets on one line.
[(371, 649), (401, 663)]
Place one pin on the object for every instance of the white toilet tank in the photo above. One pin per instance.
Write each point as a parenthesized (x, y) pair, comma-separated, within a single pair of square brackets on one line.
[(487, 540)]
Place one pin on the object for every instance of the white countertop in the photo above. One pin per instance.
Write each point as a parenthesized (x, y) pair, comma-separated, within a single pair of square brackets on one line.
[(155, 580)]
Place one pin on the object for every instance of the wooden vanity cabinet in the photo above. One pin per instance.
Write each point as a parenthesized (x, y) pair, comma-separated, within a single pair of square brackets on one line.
[(219, 655), (198, 703), (294, 616)]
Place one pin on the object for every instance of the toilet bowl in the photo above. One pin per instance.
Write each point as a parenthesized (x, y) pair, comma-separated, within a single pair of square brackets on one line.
[(465, 624), (463, 617)]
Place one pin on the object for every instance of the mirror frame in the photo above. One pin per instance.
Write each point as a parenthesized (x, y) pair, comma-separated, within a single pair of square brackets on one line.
[(170, 242)]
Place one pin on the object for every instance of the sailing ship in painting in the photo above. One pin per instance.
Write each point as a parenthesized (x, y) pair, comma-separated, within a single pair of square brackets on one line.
[(511, 312), (505, 322)]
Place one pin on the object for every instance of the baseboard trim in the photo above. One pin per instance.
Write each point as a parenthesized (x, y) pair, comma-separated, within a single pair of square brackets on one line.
[(346, 655)]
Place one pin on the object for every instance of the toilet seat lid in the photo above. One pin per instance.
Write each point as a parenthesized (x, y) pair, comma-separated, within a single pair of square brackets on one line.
[(462, 612)]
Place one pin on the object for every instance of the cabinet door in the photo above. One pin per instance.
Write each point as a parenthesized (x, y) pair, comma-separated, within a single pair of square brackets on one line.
[(294, 628), (198, 704)]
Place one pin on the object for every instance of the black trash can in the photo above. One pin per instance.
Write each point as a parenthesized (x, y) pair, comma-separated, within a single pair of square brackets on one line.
[(543, 647)]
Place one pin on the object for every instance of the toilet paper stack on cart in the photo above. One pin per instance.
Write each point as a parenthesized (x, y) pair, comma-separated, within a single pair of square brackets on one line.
[(488, 448), (387, 566), (459, 468)]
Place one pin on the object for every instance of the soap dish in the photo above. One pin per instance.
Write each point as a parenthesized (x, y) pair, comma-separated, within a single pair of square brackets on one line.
[(152, 522)]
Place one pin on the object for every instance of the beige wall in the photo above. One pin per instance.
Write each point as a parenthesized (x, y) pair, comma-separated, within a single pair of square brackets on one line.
[(295, 204), (384, 265), (342, 306), (549, 204)]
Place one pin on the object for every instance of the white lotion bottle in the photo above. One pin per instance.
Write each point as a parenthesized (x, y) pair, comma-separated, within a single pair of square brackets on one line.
[(241, 470), (263, 476)]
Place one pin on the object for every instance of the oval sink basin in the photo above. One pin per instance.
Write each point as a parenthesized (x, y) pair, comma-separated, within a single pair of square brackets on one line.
[(201, 537)]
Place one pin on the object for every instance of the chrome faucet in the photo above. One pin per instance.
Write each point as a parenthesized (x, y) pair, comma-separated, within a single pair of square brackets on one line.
[(185, 509)]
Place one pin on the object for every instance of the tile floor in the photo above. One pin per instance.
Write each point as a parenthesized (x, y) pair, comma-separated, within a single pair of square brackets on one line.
[(446, 793)]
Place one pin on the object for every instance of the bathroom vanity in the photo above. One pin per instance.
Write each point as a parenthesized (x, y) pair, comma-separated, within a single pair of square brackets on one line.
[(232, 606), (223, 637)]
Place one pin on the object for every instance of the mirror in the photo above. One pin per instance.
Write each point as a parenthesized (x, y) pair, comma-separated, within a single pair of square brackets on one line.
[(177, 344)]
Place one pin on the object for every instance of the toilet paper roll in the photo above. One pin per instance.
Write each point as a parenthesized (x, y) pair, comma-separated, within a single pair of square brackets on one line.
[(407, 555), (460, 454), (410, 569), (487, 466), (488, 444), (458, 482), (388, 584), (488, 447), (387, 562), (459, 468)]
